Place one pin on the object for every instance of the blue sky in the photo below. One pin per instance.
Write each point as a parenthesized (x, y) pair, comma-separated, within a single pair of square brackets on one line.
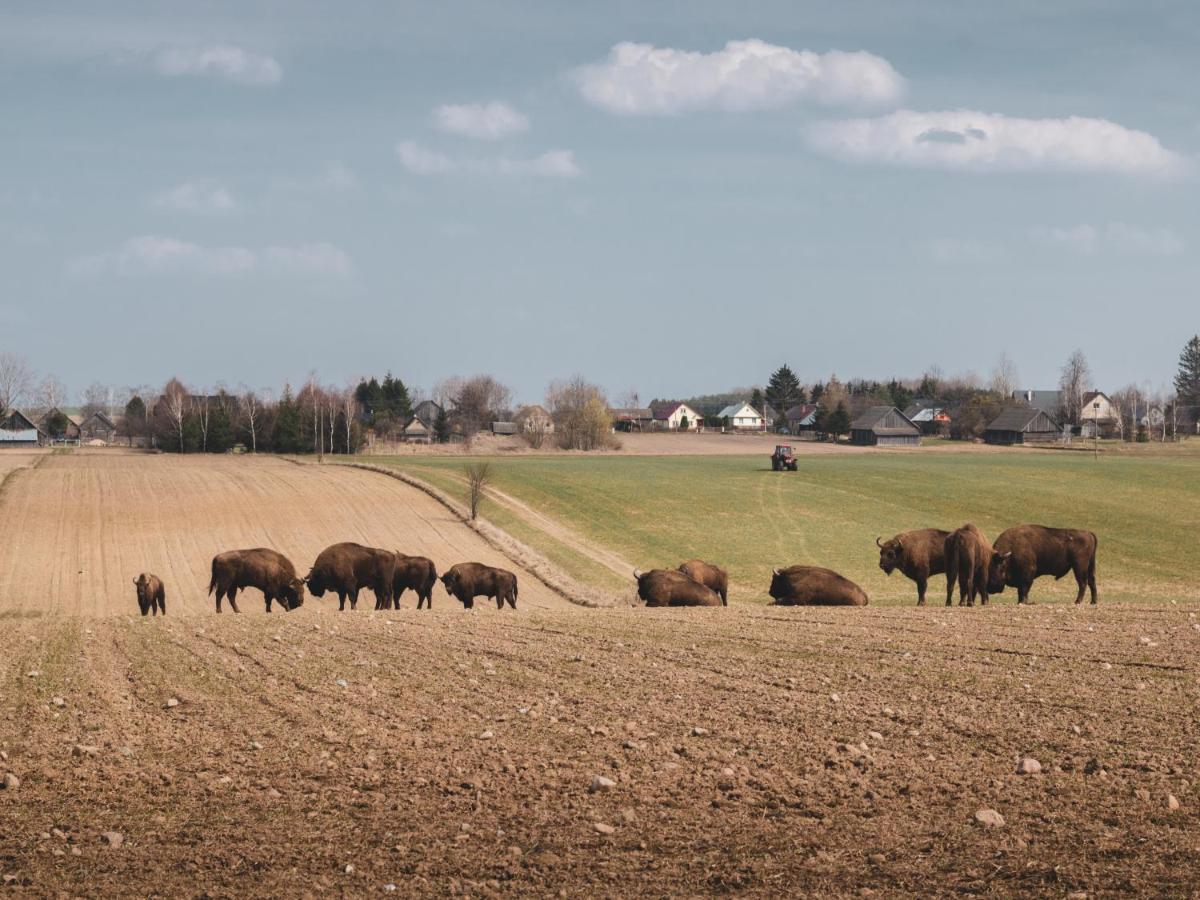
[(671, 197)]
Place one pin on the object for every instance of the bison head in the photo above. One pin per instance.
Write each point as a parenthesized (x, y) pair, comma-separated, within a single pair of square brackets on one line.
[(143, 593), (779, 585), (889, 555), (450, 583), (315, 583), (293, 594), (998, 572)]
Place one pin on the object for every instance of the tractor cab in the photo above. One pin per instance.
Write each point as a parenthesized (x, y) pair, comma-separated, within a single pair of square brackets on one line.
[(783, 459)]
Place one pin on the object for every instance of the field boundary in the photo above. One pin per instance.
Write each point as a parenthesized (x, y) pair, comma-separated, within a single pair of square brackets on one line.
[(11, 475), (500, 540)]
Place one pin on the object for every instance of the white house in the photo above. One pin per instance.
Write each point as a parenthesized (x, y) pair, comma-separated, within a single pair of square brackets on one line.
[(677, 416), (742, 417)]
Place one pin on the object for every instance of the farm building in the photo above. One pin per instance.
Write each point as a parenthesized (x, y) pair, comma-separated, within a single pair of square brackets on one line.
[(632, 418), (677, 417), (1021, 426), (18, 430), (741, 417), (98, 427), (415, 430), (426, 412), (884, 426), (504, 428), (931, 416), (535, 419), (60, 426), (802, 420), (1049, 402), (1097, 413)]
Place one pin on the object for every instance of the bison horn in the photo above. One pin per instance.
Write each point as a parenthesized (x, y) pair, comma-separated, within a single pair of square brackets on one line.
[(878, 542), (636, 574), (774, 571)]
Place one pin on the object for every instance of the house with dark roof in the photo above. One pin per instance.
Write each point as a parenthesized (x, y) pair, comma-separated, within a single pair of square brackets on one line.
[(98, 427), (884, 426), (1098, 414), (17, 430), (1021, 425), (632, 418), (1049, 402), (677, 417), (802, 420)]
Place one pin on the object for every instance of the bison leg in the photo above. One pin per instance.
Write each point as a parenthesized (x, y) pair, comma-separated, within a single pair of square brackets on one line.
[(1023, 593), (162, 605), (922, 583), (1081, 580), (1091, 580), (268, 598), (512, 601), (143, 607), (354, 599), (341, 601), (426, 599), (220, 596)]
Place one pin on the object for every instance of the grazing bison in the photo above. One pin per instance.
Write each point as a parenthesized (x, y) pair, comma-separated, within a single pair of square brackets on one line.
[(918, 554), (712, 577), (270, 572), (418, 573), (1026, 552), (969, 557), (664, 587), (466, 581), (347, 568), (814, 586), (150, 594)]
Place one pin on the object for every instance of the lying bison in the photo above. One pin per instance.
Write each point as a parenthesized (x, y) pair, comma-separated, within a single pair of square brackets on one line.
[(466, 581), (151, 596), (969, 557), (1026, 552), (347, 568), (814, 586), (918, 554), (270, 572), (417, 573), (712, 577), (666, 587)]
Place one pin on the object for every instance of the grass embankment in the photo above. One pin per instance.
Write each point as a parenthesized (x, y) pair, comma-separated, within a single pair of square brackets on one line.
[(657, 511)]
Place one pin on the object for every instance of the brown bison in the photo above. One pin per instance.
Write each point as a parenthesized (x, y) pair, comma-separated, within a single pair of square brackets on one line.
[(347, 568), (969, 557), (712, 577), (418, 573), (918, 554), (270, 572), (466, 581), (814, 586), (667, 587), (1026, 552), (150, 594)]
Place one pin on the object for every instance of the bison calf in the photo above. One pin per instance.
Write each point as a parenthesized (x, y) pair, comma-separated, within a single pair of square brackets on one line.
[(419, 574), (664, 587), (969, 558), (466, 581), (1024, 553), (151, 596), (814, 586), (712, 577), (918, 554), (269, 571)]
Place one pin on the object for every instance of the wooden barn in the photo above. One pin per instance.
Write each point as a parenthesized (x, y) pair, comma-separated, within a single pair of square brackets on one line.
[(884, 426), (98, 427), (1021, 426), (18, 430)]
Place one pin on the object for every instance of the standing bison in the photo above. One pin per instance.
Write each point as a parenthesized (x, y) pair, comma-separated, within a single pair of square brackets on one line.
[(712, 577), (466, 581), (417, 573), (918, 554), (814, 586), (664, 587), (347, 568), (1026, 552), (151, 596), (969, 557), (270, 572)]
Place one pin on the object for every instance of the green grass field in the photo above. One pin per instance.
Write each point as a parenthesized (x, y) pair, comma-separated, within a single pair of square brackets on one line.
[(658, 511)]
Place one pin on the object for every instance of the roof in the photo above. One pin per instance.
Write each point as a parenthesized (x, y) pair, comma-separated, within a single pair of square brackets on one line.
[(884, 420), (427, 412), (632, 412), (734, 411), (533, 409), (665, 412), (1021, 419), (504, 428), (804, 414), (18, 421), (415, 426), (103, 417), (1050, 401)]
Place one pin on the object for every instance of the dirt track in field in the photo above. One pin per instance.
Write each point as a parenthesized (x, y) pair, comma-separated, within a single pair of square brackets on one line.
[(80, 527)]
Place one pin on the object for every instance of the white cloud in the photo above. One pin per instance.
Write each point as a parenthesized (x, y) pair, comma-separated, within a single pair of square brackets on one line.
[(976, 141), (195, 197), (157, 255), (421, 161), (641, 79), (221, 60), (1115, 237), (482, 121)]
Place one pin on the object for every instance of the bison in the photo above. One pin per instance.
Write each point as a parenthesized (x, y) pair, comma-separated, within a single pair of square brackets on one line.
[(667, 587), (918, 554), (969, 557), (347, 568), (151, 596), (418, 573), (712, 577), (270, 572), (814, 586), (466, 581), (1026, 552)]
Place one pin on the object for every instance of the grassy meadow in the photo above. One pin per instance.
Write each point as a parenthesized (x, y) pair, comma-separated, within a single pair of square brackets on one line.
[(657, 511)]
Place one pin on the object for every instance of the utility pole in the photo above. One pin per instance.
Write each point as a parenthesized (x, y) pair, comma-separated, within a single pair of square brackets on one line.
[(1096, 429)]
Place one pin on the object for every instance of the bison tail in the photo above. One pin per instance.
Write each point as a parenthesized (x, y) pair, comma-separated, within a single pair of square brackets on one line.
[(212, 582)]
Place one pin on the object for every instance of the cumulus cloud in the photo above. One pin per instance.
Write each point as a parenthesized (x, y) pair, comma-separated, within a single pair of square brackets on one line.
[(976, 141), (481, 121), (1114, 237), (641, 79), (222, 61), (157, 255), (195, 197), (421, 161)]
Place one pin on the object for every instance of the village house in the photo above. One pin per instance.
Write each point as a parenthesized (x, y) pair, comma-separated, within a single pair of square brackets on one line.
[(1049, 402), (419, 428), (884, 426), (59, 426), (741, 417), (1021, 426), (677, 417), (931, 416), (1098, 414), (802, 421), (98, 427), (630, 419), (17, 430), (534, 419)]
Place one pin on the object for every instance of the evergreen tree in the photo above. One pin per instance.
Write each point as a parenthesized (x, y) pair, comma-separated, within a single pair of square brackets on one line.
[(1187, 381), (220, 430), (441, 427), (286, 437), (784, 390), (395, 398), (134, 424), (839, 420)]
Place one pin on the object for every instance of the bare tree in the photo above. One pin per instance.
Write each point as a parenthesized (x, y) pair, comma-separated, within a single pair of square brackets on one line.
[(252, 413), (175, 407), (202, 409), (479, 476), (478, 401), (1004, 377), (51, 394), (581, 417), (97, 398), (16, 381), (1072, 383), (349, 410), (333, 402), (629, 400)]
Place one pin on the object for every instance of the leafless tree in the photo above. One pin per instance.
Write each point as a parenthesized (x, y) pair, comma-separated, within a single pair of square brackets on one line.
[(479, 476), (51, 394), (97, 398), (349, 410), (16, 381), (477, 401), (175, 407), (1004, 377), (580, 411), (333, 402), (630, 399), (201, 408), (252, 413), (1072, 383)]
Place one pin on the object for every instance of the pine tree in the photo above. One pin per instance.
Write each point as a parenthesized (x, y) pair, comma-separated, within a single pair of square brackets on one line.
[(441, 427), (784, 390), (286, 437), (1187, 381)]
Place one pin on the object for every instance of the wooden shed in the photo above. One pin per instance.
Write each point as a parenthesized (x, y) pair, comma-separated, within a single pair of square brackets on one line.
[(18, 430), (884, 426), (1021, 426)]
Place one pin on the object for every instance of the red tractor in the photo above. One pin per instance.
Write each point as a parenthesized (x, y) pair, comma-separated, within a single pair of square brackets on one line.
[(783, 459)]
